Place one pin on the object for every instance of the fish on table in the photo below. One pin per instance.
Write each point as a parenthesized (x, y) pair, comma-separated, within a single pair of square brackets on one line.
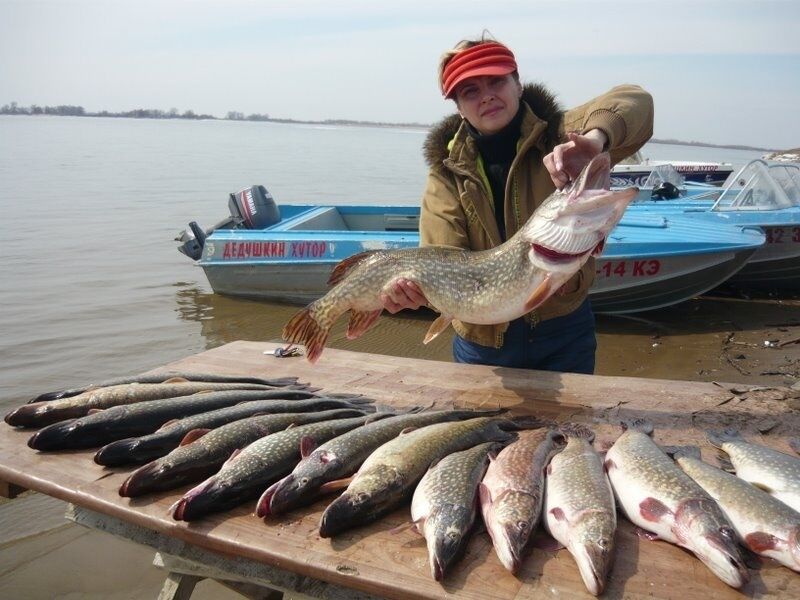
[(579, 509), (44, 413), (331, 465), (443, 506), (512, 492), (764, 524), (145, 417), (204, 456), (654, 493), (481, 287), (181, 431), (161, 377), (387, 477), (776, 473), (248, 472)]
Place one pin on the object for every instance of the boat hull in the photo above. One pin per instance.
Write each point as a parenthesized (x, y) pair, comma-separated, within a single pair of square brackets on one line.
[(677, 279)]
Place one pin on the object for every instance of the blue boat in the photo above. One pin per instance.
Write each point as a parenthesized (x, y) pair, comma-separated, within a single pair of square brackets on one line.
[(760, 195), (649, 261)]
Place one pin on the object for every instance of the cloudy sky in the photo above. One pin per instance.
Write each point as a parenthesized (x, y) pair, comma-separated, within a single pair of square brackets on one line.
[(724, 72)]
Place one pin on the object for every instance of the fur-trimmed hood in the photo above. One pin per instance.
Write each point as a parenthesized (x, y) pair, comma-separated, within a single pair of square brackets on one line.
[(540, 100)]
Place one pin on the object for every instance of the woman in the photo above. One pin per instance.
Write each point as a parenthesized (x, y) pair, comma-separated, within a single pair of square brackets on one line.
[(491, 166)]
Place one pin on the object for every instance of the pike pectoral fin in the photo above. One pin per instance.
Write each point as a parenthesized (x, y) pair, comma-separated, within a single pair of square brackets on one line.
[(653, 510), (539, 295), (361, 322), (335, 485), (194, 434), (437, 327), (759, 541)]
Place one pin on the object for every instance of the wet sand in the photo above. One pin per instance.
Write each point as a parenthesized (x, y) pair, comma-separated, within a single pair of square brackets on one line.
[(727, 339)]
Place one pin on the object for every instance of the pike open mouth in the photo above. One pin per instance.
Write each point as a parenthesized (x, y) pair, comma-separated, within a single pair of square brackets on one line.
[(556, 256)]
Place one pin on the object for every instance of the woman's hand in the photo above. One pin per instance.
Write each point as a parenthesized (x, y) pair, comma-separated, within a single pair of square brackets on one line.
[(403, 294), (567, 160)]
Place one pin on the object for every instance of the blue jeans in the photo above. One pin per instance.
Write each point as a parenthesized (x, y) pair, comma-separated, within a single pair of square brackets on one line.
[(566, 344)]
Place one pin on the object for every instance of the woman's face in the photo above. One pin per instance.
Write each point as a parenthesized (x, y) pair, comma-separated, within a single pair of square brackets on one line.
[(488, 102)]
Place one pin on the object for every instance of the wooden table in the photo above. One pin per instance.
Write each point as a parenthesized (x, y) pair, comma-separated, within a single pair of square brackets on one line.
[(377, 561)]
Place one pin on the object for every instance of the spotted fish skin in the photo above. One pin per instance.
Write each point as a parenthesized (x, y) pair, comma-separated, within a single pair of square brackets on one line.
[(764, 524), (579, 509), (141, 418), (148, 447), (443, 507), (655, 494), (38, 414), (161, 377), (774, 472), (512, 492), (388, 476), (481, 287), (342, 456)]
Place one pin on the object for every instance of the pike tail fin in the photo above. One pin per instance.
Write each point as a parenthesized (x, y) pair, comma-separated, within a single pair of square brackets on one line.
[(304, 329)]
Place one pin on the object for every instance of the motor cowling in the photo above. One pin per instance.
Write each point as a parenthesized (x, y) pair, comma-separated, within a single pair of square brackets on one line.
[(665, 191), (254, 207), (250, 208)]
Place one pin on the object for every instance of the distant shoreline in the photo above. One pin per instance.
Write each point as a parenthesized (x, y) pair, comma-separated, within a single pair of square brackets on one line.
[(78, 111)]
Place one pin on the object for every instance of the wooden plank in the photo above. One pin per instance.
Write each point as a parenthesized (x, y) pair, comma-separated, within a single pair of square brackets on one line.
[(376, 561), (178, 586), (10, 490)]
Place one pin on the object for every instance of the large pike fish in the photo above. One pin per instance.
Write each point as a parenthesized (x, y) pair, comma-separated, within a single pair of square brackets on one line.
[(330, 466), (655, 494), (141, 418), (579, 508), (388, 475), (161, 378), (46, 412), (183, 431), (776, 473), (483, 287), (444, 504), (205, 455), (246, 474), (765, 525), (512, 492)]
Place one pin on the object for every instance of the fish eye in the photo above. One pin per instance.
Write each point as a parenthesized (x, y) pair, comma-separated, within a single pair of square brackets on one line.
[(303, 481)]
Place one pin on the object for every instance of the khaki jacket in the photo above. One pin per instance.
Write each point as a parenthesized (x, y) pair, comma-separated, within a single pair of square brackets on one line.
[(457, 207)]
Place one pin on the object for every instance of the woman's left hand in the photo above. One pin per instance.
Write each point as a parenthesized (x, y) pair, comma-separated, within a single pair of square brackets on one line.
[(567, 160)]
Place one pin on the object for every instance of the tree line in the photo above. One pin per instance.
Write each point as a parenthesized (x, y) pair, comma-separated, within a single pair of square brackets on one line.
[(69, 110)]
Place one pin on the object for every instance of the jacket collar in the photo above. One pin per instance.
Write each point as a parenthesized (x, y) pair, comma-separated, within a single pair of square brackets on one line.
[(540, 126)]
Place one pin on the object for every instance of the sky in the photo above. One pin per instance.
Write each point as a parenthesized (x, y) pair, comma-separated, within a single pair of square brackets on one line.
[(721, 72)]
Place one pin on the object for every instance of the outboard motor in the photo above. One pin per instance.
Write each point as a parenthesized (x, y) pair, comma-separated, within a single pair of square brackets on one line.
[(250, 208), (665, 191)]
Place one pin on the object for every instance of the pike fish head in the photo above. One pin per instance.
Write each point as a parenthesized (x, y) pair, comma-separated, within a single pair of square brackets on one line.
[(446, 532), (509, 524), (573, 223), (369, 496), (701, 528), (594, 555)]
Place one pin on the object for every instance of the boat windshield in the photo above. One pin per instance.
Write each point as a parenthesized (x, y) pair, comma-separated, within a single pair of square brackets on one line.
[(664, 174), (788, 177), (754, 188)]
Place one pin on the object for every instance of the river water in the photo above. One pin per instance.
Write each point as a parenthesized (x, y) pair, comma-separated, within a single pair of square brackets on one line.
[(93, 286)]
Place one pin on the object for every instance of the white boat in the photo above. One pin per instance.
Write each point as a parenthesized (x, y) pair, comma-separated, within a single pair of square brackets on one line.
[(635, 170)]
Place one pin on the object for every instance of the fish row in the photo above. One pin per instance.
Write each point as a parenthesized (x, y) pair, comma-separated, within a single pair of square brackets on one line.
[(62, 405)]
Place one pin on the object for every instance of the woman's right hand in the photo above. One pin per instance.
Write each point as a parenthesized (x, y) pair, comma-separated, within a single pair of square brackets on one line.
[(403, 294)]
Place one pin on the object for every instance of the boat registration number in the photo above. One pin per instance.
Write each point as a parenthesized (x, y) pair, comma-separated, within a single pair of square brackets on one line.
[(633, 268), (783, 235)]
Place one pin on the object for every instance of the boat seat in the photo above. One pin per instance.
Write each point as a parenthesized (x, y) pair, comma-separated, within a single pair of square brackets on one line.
[(326, 218)]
